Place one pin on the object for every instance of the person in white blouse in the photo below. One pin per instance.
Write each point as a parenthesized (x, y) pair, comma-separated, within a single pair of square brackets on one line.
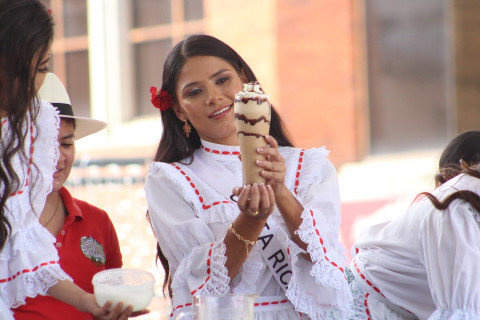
[(423, 264), (280, 240), (29, 263)]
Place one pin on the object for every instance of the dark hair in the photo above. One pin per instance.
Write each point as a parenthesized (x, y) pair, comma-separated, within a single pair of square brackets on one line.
[(26, 32), (464, 147), (174, 145), (466, 195)]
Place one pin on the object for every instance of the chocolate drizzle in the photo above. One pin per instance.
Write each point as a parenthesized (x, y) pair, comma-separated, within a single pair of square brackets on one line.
[(252, 122), (256, 135), (245, 100)]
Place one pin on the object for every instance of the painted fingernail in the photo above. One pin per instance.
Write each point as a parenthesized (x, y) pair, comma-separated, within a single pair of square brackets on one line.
[(260, 150), (258, 161)]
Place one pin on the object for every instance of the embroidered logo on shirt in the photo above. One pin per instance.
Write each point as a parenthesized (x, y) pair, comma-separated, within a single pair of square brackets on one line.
[(93, 250)]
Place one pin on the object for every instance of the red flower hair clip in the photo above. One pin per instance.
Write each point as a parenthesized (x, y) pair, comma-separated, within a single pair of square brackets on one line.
[(161, 99)]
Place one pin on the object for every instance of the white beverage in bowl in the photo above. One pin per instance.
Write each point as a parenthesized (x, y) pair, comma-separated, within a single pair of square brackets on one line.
[(130, 286)]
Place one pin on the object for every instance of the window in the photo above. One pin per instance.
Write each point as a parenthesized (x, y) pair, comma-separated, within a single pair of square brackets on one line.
[(157, 26)]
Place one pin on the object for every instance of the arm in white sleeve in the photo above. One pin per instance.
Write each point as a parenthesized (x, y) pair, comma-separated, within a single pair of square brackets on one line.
[(195, 255), (450, 250), (318, 193)]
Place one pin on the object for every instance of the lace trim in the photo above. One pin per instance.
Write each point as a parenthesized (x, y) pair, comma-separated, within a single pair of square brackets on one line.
[(217, 280), (51, 143), (325, 271), (444, 314), (359, 306), (31, 283), (26, 183), (305, 304)]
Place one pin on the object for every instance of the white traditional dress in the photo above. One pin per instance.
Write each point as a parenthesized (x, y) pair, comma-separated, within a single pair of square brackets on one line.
[(29, 261), (423, 264), (191, 210)]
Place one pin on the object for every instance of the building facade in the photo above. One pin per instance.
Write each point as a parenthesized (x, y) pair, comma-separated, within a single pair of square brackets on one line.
[(362, 77)]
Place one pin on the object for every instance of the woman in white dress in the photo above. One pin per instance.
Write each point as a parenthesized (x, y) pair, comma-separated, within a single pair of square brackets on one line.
[(28, 144), (424, 263), (206, 238)]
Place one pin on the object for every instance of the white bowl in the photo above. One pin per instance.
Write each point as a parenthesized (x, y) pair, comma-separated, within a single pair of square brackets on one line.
[(130, 286)]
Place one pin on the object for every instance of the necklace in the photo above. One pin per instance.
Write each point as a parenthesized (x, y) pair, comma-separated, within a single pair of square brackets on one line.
[(54, 213)]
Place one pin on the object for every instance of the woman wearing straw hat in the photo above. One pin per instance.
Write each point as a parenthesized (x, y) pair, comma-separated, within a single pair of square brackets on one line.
[(85, 237)]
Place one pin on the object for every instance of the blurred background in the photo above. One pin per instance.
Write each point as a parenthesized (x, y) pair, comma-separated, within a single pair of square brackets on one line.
[(383, 84)]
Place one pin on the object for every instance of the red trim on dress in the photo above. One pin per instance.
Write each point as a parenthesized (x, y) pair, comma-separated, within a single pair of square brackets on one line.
[(263, 304), (367, 311), (180, 306), (208, 271), (269, 303), (200, 198), (321, 242), (28, 271), (299, 168), (226, 153), (365, 278)]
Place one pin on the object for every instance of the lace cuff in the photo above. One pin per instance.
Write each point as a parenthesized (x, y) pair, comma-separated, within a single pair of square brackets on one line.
[(444, 314), (30, 284), (31, 265), (327, 267), (216, 280), (326, 271)]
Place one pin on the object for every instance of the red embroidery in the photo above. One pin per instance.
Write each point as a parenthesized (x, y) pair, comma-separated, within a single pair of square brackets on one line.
[(200, 198), (299, 168), (180, 306), (321, 242), (13, 277), (367, 311), (226, 153), (269, 303), (208, 271), (30, 162), (365, 278)]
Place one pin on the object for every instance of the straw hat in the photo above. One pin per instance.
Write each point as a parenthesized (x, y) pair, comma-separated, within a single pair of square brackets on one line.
[(54, 92)]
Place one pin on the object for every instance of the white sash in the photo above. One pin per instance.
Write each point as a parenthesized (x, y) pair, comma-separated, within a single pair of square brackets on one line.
[(275, 255), (221, 179)]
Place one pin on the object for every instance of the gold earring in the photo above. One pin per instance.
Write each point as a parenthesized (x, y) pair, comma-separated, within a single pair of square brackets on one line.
[(187, 128)]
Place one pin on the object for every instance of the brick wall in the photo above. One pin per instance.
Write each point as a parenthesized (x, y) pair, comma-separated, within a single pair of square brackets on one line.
[(317, 74)]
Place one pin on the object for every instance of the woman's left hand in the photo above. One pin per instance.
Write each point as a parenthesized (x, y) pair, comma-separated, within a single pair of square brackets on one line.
[(274, 169)]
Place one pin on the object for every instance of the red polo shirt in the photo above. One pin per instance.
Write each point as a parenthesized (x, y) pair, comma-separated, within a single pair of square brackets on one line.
[(86, 245)]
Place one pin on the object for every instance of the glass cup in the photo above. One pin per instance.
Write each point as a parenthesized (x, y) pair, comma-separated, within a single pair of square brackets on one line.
[(226, 307)]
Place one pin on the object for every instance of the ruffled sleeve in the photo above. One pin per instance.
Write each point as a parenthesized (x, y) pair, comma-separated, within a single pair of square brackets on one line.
[(450, 250), (29, 261), (316, 188), (197, 262)]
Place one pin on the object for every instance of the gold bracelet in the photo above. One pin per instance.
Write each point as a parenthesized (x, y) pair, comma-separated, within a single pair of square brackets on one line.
[(245, 241)]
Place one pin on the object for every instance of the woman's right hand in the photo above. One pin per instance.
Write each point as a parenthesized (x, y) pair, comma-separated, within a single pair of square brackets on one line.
[(103, 313), (255, 200)]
